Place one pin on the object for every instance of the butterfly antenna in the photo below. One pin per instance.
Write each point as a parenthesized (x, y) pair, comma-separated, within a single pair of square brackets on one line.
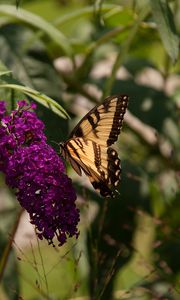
[(54, 142)]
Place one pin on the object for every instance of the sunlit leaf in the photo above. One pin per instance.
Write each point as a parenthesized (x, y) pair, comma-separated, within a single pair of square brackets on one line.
[(5, 73), (39, 97)]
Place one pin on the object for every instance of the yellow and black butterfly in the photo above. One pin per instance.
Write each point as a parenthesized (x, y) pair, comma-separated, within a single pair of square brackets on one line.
[(88, 147)]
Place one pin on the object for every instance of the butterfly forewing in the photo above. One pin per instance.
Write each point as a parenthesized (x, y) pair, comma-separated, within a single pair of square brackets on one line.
[(104, 122), (88, 147)]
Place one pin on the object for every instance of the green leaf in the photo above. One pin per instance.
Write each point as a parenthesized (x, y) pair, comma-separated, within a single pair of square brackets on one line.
[(38, 97), (165, 22), (5, 73), (118, 17), (38, 22)]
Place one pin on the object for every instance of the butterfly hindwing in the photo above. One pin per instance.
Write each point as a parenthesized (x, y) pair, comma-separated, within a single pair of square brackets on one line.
[(99, 163), (88, 147), (109, 178)]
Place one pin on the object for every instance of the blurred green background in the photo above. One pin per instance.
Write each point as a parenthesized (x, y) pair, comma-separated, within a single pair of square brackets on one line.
[(77, 53)]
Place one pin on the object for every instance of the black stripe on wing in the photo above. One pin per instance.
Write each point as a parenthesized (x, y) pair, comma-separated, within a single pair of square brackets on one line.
[(118, 118)]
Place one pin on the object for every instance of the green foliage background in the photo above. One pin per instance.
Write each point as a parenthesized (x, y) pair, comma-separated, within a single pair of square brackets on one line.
[(67, 56)]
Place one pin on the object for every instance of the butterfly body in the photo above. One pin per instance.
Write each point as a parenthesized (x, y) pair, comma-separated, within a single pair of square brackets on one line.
[(88, 147)]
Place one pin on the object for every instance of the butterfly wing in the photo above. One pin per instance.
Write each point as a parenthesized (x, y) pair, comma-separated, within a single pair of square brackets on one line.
[(99, 163), (88, 147), (104, 122)]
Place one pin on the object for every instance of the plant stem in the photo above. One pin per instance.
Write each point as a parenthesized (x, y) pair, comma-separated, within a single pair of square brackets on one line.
[(123, 52), (107, 37), (7, 250)]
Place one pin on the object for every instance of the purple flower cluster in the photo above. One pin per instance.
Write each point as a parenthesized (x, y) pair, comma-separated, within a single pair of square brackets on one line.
[(34, 169)]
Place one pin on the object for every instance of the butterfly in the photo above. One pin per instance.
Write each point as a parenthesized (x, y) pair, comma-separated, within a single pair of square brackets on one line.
[(89, 148)]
